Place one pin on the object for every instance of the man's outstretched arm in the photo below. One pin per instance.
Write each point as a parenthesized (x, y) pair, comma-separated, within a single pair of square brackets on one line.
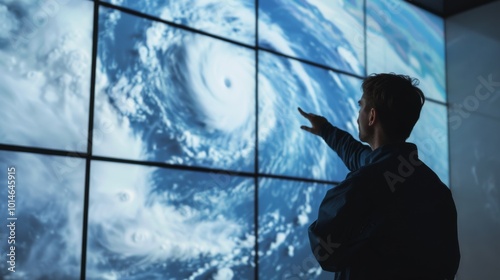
[(352, 152)]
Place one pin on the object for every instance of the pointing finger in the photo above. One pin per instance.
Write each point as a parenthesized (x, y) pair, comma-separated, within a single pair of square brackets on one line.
[(306, 115)]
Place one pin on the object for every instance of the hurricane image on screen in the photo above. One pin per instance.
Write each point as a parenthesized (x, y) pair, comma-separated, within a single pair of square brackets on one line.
[(164, 94), (178, 97), (173, 96)]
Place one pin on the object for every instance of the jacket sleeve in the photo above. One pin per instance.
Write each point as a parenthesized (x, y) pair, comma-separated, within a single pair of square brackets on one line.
[(352, 152), (335, 237)]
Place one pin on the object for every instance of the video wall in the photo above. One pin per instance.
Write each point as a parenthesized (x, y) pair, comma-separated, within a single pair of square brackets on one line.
[(161, 139)]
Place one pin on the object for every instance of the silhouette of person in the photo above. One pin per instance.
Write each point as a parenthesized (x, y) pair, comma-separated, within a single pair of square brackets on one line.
[(392, 217)]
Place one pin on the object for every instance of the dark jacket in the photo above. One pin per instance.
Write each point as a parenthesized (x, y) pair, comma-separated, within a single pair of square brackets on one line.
[(391, 218)]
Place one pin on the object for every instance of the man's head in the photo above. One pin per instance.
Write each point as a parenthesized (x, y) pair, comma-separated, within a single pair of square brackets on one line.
[(390, 103)]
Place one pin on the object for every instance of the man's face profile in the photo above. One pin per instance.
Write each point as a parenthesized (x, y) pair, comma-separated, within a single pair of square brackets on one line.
[(363, 120)]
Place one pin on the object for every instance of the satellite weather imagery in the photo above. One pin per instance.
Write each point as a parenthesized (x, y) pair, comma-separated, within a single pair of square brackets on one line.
[(196, 166)]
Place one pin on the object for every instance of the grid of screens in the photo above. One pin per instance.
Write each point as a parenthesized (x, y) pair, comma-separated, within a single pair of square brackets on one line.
[(199, 99)]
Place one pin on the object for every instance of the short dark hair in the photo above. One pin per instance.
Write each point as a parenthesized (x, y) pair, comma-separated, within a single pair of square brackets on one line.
[(397, 101)]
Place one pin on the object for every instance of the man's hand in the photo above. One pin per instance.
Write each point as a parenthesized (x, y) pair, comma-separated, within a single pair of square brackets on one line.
[(315, 120)]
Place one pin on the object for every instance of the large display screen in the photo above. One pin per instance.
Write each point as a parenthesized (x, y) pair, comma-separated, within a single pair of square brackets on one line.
[(198, 168)]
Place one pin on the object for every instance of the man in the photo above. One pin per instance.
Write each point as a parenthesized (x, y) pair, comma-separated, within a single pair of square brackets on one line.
[(392, 217)]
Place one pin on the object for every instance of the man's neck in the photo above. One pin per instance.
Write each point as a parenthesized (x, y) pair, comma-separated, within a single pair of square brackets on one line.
[(380, 139)]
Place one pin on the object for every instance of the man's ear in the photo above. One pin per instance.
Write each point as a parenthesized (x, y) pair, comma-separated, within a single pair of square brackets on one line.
[(372, 117)]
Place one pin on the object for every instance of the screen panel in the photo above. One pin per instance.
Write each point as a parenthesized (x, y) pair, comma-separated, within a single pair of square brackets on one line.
[(230, 19), (45, 65), (326, 32), (168, 95), (153, 223), (405, 39), (284, 148), (430, 134), (47, 212), (286, 209)]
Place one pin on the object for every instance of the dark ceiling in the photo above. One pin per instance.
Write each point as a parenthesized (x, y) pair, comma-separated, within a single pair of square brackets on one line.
[(446, 8)]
